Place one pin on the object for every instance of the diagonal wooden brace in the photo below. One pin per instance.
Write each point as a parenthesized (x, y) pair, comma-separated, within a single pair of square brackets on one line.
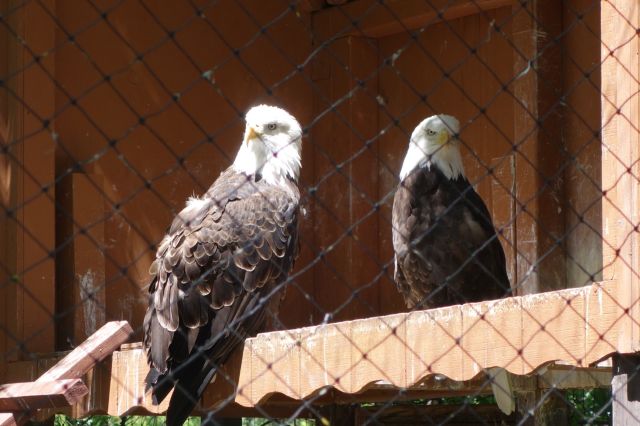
[(79, 361)]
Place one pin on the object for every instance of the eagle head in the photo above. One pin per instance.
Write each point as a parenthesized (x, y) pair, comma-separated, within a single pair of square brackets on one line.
[(271, 146), (435, 142)]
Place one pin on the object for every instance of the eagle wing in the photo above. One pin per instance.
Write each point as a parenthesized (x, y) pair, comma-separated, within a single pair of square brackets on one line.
[(215, 272), (490, 254), (407, 216)]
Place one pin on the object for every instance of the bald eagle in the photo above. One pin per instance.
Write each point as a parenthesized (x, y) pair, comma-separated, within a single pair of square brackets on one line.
[(446, 248), (219, 268)]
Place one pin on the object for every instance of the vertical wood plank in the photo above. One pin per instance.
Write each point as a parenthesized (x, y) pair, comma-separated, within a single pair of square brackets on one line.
[(33, 289), (620, 152), (581, 133), (347, 172), (80, 266), (7, 228), (15, 122), (503, 205), (537, 71)]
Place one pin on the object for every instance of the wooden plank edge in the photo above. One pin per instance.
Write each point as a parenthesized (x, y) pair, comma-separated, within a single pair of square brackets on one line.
[(34, 395), (269, 353), (79, 361), (97, 347), (378, 22)]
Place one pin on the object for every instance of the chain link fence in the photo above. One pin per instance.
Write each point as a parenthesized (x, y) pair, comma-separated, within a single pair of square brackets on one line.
[(113, 113)]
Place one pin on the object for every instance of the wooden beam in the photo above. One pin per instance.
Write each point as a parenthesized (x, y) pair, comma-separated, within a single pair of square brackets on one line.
[(399, 349), (343, 159), (80, 265), (93, 350), (375, 20), (33, 395), (79, 361), (620, 74), (540, 262), (524, 334), (33, 289), (412, 414)]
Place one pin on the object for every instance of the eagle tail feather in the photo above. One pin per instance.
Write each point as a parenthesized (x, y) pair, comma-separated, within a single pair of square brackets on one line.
[(189, 388), (160, 385)]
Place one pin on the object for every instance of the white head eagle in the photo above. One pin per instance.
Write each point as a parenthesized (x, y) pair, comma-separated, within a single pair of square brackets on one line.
[(435, 141), (218, 270), (271, 147), (446, 248)]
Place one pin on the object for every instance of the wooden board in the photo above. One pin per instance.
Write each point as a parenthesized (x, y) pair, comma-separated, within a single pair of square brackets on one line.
[(32, 287), (80, 264), (534, 87), (620, 152), (377, 19), (79, 361), (34, 395), (519, 334), (371, 359), (582, 117)]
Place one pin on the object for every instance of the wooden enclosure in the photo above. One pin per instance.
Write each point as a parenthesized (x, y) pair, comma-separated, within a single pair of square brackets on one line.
[(113, 113)]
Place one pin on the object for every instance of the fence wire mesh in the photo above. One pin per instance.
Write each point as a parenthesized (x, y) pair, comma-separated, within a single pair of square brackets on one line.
[(113, 113)]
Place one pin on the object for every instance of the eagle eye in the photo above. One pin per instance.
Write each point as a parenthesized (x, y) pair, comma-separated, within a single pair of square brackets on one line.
[(430, 132), (272, 126)]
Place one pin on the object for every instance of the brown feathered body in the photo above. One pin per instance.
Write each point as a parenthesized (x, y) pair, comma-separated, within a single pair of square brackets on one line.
[(446, 248), (217, 276)]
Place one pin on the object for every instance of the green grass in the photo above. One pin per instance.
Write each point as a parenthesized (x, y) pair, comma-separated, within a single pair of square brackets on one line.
[(589, 406), (61, 420)]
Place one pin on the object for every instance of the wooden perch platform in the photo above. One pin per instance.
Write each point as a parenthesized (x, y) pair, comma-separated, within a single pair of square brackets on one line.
[(427, 354), (577, 326)]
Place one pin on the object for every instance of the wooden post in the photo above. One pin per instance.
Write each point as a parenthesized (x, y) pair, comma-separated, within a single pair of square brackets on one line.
[(80, 265), (620, 99), (31, 314), (540, 264), (625, 390), (347, 174)]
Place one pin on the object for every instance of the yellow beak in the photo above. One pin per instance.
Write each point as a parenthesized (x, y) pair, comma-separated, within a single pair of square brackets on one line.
[(443, 137), (251, 135)]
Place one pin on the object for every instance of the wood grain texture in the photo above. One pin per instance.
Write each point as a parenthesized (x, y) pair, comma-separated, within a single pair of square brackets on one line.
[(378, 19), (80, 264), (79, 361), (34, 395), (536, 88), (620, 100), (32, 289), (519, 334), (368, 360)]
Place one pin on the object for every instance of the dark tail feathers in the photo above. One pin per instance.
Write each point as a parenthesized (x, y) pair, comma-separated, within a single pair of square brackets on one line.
[(160, 385), (192, 380)]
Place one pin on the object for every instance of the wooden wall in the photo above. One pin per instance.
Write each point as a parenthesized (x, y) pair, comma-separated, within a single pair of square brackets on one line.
[(202, 128), (582, 138), (179, 71)]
